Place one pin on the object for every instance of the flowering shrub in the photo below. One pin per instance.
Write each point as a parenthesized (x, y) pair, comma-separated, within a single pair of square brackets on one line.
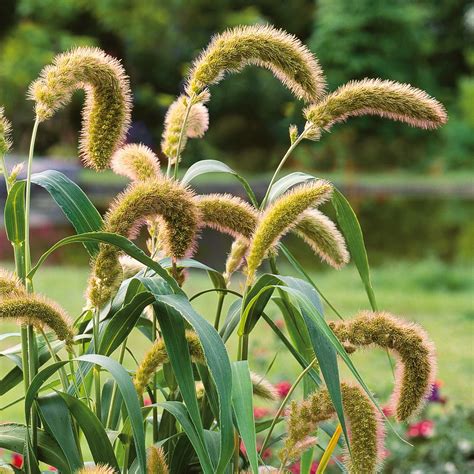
[(188, 405)]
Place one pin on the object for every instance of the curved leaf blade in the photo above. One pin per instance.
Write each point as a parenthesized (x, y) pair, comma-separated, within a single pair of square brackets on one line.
[(287, 182), (14, 213)]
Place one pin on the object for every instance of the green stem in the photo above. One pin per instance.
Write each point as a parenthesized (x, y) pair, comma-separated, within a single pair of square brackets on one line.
[(123, 349), (220, 304), (283, 404), (181, 136), (280, 166), (155, 391), (96, 370), (5, 172)]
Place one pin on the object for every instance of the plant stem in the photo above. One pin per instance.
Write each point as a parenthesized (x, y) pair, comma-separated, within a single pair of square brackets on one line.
[(283, 404), (220, 303), (123, 348), (181, 136), (96, 370), (5, 172), (280, 166)]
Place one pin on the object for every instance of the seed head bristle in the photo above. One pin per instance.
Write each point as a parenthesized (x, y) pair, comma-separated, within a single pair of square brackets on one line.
[(227, 214), (388, 99), (264, 46), (157, 356), (416, 361), (5, 133), (99, 469), (137, 162), (281, 217), (195, 126), (236, 257), (322, 235), (166, 198), (106, 115), (262, 387), (156, 462), (10, 285)]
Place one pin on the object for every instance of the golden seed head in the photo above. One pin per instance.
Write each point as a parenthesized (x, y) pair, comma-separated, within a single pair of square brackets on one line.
[(281, 217), (10, 285), (416, 361), (141, 201), (106, 115), (264, 46), (388, 99), (5, 133), (99, 469), (262, 387), (236, 257), (322, 235), (156, 461), (227, 214), (194, 126), (39, 312), (136, 161)]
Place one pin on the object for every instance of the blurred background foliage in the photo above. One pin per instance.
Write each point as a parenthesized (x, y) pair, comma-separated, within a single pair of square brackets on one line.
[(428, 43)]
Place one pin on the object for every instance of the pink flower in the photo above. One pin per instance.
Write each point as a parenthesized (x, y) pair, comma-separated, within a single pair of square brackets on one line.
[(283, 388), (422, 429), (147, 401), (17, 460), (260, 412)]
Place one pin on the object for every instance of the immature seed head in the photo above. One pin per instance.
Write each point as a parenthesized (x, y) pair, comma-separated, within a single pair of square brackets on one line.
[(136, 161), (106, 115), (264, 46), (163, 198), (236, 257), (194, 126), (10, 285), (5, 133), (322, 235), (156, 462), (99, 469), (262, 387), (365, 422), (227, 214), (416, 364), (39, 312), (157, 356), (376, 97), (281, 217)]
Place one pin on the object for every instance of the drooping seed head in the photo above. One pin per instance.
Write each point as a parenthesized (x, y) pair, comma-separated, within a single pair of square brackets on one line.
[(364, 420), (227, 214), (136, 161), (389, 99), (236, 257), (156, 461), (264, 46), (99, 469), (10, 285), (163, 198), (416, 361), (106, 115), (262, 387), (157, 355), (322, 235), (194, 126), (39, 312), (5, 133), (281, 217)]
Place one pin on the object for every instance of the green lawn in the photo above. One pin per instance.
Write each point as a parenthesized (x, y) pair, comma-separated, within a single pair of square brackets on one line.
[(437, 296)]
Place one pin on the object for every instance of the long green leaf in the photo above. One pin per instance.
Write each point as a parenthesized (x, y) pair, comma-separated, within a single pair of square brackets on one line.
[(57, 421), (74, 203), (14, 213), (242, 401), (97, 439), (215, 166), (352, 231), (287, 182), (13, 435)]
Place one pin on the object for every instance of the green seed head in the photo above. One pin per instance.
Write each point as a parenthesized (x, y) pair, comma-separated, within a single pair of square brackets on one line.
[(262, 387), (5, 133), (10, 285), (227, 214), (376, 97), (281, 217), (106, 115), (236, 257), (322, 235), (264, 46), (416, 361), (137, 162)]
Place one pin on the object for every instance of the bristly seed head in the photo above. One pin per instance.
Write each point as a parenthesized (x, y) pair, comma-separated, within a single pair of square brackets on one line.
[(137, 162), (163, 198), (322, 235), (265, 46), (10, 285), (156, 461), (281, 217), (39, 312), (416, 364), (236, 257), (99, 469), (195, 126), (5, 133), (262, 387), (106, 115), (376, 97)]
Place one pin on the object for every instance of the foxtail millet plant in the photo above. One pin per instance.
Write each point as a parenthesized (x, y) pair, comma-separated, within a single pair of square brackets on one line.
[(200, 416)]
